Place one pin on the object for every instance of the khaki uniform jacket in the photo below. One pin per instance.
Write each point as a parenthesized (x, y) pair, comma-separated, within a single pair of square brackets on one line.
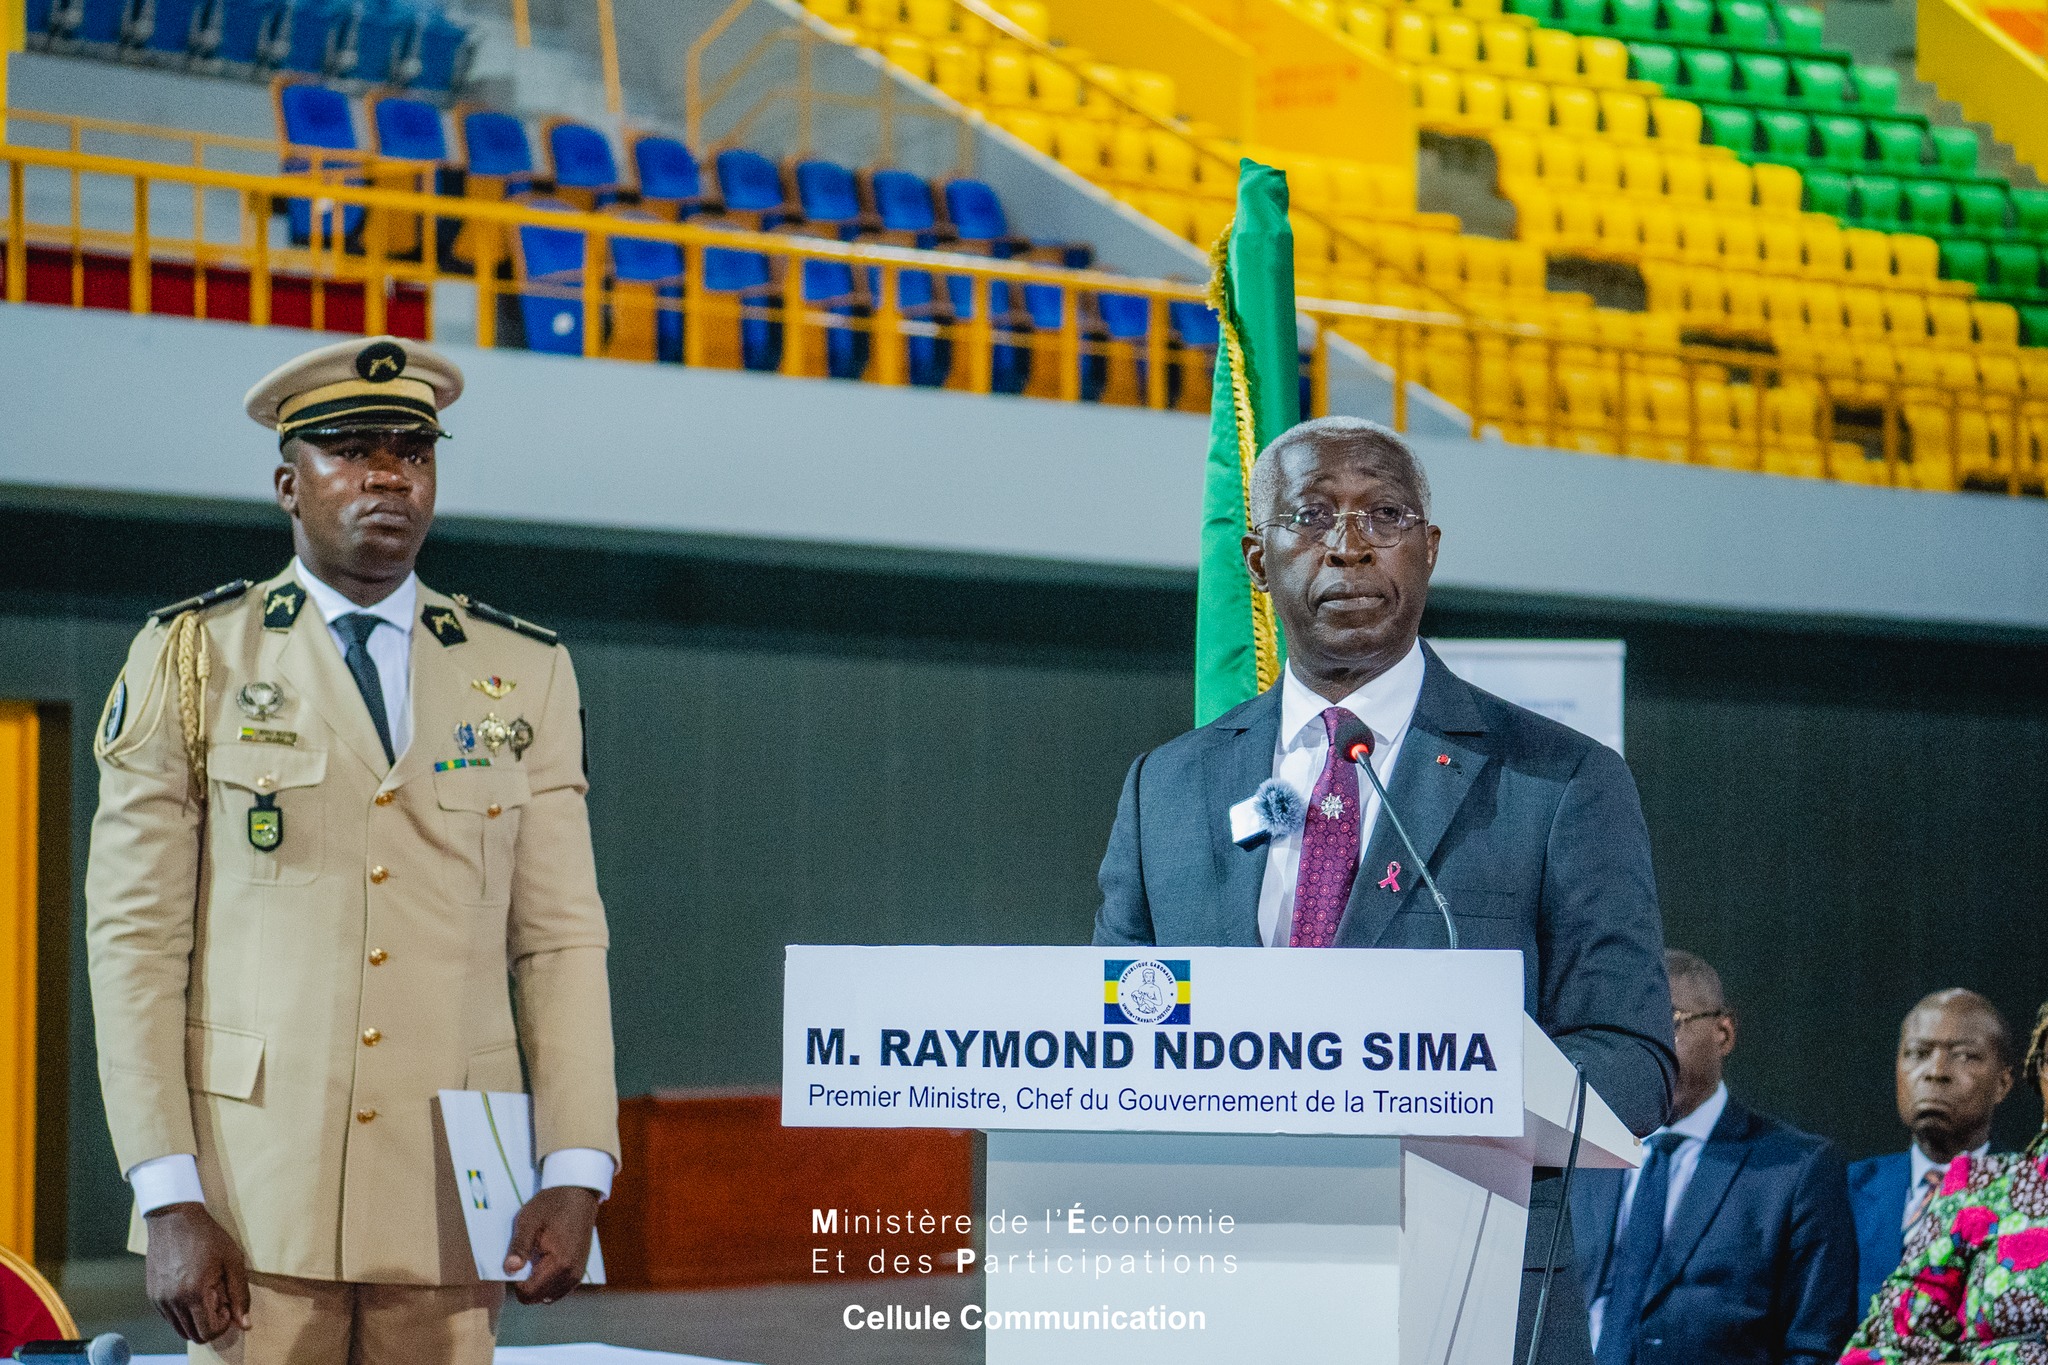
[(286, 1016)]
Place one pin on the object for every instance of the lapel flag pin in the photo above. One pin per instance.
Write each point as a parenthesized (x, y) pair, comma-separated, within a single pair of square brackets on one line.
[(1444, 759)]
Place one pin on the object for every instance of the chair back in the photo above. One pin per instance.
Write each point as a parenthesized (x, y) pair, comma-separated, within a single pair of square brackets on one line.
[(30, 1309)]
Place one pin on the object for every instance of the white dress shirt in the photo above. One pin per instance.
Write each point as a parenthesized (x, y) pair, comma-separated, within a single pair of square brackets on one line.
[(175, 1179), (1386, 705), (1695, 1128), (1922, 1164)]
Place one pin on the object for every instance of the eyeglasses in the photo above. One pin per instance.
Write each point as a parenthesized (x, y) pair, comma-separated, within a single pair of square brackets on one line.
[(1382, 527), (1680, 1018)]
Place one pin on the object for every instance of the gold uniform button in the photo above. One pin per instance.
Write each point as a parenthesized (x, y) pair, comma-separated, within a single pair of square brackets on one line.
[(494, 810), (365, 1115), (384, 798), (378, 874), (377, 956), (372, 1037)]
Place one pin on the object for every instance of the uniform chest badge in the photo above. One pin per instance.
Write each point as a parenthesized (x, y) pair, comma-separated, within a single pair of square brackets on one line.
[(493, 687), (266, 823), (260, 700), (465, 737)]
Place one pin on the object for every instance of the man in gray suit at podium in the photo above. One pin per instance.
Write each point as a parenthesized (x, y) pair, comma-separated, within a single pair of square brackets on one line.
[(1533, 831)]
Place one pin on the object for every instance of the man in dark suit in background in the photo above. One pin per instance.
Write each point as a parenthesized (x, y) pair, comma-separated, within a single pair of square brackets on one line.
[(1954, 1066), (1534, 832), (1732, 1244)]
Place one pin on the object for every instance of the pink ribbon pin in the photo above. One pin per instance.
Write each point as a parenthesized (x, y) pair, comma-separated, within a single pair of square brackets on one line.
[(1392, 881)]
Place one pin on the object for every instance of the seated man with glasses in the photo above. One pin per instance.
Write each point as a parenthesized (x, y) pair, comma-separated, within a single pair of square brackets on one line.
[(1733, 1241), (1533, 831)]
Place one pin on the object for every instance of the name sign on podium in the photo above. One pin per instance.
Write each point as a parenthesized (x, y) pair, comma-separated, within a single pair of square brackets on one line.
[(1180, 1040)]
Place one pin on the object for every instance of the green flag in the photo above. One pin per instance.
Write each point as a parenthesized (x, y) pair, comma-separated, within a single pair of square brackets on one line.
[(1257, 396)]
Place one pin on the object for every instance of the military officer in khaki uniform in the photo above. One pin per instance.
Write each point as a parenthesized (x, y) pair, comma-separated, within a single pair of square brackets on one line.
[(338, 810)]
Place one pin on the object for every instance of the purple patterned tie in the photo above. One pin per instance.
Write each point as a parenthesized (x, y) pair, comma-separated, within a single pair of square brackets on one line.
[(1329, 847)]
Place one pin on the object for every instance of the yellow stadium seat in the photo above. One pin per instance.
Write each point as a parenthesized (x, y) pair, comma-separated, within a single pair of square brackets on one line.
[(1412, 36), (1822, 238), (1914, 257), (1129, 153), (1535, 215), (1870, 255), (1778, 188), (1102, 76), (1730, 186), (841, 14), (1174, 212), (1398, 247), (1030, 15), (956, 70), (1604, 60), (1978, 449), (1006, 75), (1481, 9), (1785, 306), (1457, 41), (1740, 249), (1660, 231), (1309, 182), (1514, 155), (1443, 259), (1781, 248), (1436, 94), (1556, 55), (1685, 180), (1030, 127), (1699, 240), (1578, 223), (1483, 265), (1524, 265), (1933, 462), (928, 18), (2034, 372), (1154, 92), (1998, 324), (1743, 297), (1625, 116), (1823, 310), (1865, 311), (1212, 216), (1905, 318), (1353, 187), (1561, 159), (1311, 245), (1948, 318), (1077, 142), (1678, 122), (1919, 368), (1642, 171), (1507, 48), (1999, 371), (1664, 288), (1956, 368), (1366, 24), (1706, 294), (1576, 109), (1621, 225), (1485, 100), (1054, 86), (1529, 104), (1173, 160), (1600, 166), (909, 51)]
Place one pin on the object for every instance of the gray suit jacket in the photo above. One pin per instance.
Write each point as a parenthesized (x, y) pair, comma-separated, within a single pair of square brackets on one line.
[(1534, 832)]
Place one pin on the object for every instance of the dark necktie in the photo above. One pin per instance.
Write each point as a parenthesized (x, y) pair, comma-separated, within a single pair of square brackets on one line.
[(1635, 1256), (355, 628)]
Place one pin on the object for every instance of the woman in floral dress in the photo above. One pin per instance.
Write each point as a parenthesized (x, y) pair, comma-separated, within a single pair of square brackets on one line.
[(1973, 1286)]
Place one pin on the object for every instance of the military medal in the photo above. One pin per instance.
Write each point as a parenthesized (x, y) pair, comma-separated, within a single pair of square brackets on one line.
[(493, 732), (493, 687), (521, 737), (266, 823), (465, 737), (260, 700)]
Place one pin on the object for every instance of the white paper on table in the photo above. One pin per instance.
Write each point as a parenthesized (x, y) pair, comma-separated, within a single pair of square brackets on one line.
[(490, 1145)]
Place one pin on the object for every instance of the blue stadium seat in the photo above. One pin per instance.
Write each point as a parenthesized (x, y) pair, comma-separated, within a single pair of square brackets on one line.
[(409, 129), (444, 54), (748, 276), (312, 115), (1198, 332), (253, 32), (553, 258), (832, 286), (103, 21), (494, 145), (655, 271), (750, 184), (177, 27), (321, 40), (583, 162), (42, 17), (828, 195), (668, 175), (918, 300), (903, 203), (387, 42), (977, 216)]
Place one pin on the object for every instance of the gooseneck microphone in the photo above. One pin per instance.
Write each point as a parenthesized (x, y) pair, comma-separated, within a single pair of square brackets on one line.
[(1354, 741), (108, 1348)]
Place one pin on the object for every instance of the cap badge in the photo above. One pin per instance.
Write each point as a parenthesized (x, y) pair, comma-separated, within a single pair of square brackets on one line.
[(380, 361)]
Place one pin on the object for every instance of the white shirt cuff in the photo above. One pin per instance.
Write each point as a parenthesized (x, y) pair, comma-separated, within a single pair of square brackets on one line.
[(165, 1181), (584, 1166)]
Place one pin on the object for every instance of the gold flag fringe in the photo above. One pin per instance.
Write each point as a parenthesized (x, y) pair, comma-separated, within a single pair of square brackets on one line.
[(1265, 638)]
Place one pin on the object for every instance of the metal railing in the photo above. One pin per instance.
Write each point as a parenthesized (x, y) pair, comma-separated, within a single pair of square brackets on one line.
[(1685, 403)]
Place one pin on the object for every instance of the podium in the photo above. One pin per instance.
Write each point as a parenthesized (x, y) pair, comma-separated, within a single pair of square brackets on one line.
[(1282, 1156)]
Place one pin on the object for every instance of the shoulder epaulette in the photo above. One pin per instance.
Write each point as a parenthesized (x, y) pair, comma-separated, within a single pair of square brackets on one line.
[(484, 612), (226, 592)]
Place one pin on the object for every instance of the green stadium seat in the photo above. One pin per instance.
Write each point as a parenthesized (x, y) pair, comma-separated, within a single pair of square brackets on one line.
[(1634, 18), (1983, 207), (1653, 62), (1583, 16), (2016, 270), (1709, 75), (1877, 201), (1539, 10), (2030, 210), (1930, 206), (1955, 150), (1877, 89), (1765, 80), (1729, 126), (1787, 135), (1898, 145), (1799, 28), (1689, 21), (1966, 260), (1827, 192), (1745, 23), (1842, 140), (2034, 326), (1822, 85)]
